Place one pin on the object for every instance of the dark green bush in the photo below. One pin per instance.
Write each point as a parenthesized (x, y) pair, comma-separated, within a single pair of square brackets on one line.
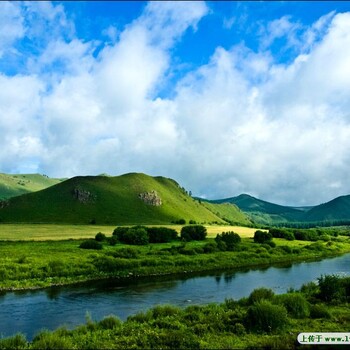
[(161, 234), (331, 288), (180, 222), (119, 231), (296, 305), (266, 317), (210, 247), (135, 236), (319, 311), (100, 237), (193, 232), (112, 240), (231, 239), (259, 294), (91, 244), (288, 235), (262, 236)]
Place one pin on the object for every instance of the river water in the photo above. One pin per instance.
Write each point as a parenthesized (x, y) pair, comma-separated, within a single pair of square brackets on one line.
[(30, 311)]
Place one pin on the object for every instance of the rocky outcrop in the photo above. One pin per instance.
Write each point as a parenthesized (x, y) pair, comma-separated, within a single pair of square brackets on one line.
[(83, 196), (151, 198)]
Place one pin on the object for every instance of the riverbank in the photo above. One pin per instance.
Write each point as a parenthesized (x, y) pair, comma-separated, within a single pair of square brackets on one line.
[(262, 320), (33, 265)]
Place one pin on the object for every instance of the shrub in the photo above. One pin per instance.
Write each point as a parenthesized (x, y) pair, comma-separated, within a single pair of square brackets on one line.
[(319, 311), (310, 290), (210, 247), (112, 240), (128, 253), (221, 245), (18, 341), (259, 294), (296, 305), (51, 340), (239, 329), (100, 237), (109, 322), (180, 222), (231, 239), (262, 236), (287, 249), (266, 317), (91, 244), (119, 231), (194, 232), (272, 244), (165, 310), (161, 234), (331, 288), (289, 236), (135, 236)]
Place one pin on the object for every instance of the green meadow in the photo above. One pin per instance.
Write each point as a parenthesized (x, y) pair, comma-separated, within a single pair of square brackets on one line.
[(42, 232), (42, 263)]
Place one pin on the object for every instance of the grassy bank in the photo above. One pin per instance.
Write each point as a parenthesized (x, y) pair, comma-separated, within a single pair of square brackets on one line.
[(35, 264), (263, 320)]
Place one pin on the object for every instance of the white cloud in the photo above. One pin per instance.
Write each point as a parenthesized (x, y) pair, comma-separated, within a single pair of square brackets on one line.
[(12, 28), (240, 123)]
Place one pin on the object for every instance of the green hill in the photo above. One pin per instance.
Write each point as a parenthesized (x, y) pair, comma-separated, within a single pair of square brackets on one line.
[(127, 199), (264, 212), (229, 212), (337, 209), (18, 184)]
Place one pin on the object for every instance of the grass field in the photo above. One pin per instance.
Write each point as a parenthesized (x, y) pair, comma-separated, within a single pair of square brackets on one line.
[(41, 232)]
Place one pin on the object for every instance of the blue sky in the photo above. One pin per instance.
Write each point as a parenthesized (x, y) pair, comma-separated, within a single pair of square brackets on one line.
[(224, 97)]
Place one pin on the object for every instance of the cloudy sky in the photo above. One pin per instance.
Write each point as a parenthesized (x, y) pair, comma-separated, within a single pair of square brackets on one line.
[(226, 98)]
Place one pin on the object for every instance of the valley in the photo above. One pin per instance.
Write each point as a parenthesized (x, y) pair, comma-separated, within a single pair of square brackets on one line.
[(71, 233)]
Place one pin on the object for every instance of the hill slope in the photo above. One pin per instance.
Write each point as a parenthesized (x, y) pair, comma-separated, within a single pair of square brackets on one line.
[(229, 212), (264, 212), (126, 199), (335, 210), (18, 184)]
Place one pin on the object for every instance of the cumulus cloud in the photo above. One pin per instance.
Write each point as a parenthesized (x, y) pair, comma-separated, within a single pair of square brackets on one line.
[(242, 122)]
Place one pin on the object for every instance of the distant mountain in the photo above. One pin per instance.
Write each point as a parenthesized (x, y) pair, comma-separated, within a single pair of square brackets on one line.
[(128, 199), (337, 209), (263, 212), (18, 184)]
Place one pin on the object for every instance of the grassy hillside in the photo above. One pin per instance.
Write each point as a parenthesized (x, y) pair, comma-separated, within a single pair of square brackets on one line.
[(16, 185), (107, 200), (229, 212), (335, 210), (264, 212)]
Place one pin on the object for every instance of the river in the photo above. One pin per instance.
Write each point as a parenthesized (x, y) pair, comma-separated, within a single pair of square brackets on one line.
[(30, 311)]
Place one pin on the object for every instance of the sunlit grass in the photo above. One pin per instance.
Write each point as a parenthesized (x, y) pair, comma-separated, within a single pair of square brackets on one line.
[(41, 232)]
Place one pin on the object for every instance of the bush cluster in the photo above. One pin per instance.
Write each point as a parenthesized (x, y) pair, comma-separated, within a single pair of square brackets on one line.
[(304, 234), (91, 244), (193, 233), (262, 237), (228, 241), (142, 235)]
